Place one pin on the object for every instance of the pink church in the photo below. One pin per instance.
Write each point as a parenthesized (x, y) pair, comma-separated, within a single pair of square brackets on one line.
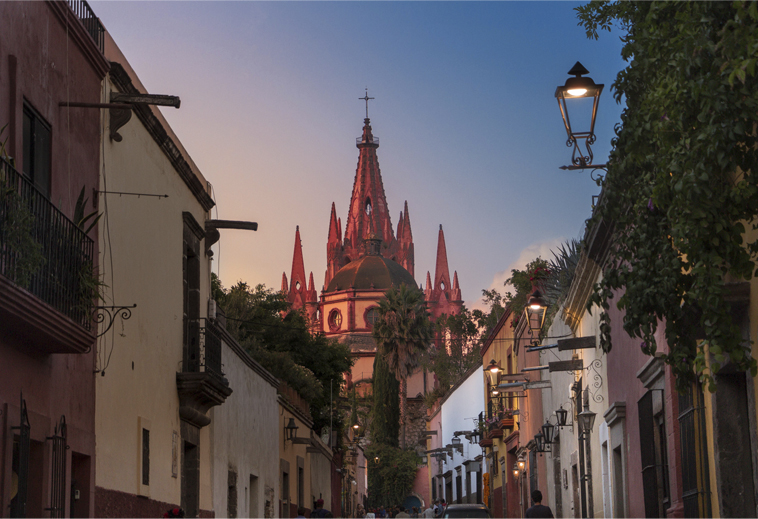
[(363, 264)]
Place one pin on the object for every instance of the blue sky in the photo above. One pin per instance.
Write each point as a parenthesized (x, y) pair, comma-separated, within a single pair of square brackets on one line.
[(470, 132)]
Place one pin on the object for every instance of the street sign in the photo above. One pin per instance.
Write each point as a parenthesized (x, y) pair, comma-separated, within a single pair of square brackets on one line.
[(566, 365), (577, 343), (539, 384)]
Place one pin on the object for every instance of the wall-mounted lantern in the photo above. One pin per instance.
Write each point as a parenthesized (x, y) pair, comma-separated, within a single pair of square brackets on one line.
[(290, 430), (579, 87)]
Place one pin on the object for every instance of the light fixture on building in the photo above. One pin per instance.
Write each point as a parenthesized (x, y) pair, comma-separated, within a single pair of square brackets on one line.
[(548, 430), (536, 309), (457, 444), (516, 471), (521, 463), (290, 430), (579, 87), (562, 415), (539, 441), (493, 367), (586, 419)]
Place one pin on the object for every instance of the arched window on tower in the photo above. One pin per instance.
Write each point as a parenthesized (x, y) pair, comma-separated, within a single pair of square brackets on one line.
[(371, 316), (335, 320), (367, 207)]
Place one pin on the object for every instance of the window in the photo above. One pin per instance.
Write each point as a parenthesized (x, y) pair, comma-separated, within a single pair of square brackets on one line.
[(335, 320), (145, 457), (36, 154), (372, 315)]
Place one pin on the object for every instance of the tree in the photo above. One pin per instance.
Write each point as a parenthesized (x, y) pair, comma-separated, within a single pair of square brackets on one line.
[(385, 422), (402, 332), (455, 351), (280, 340), (681, 187)]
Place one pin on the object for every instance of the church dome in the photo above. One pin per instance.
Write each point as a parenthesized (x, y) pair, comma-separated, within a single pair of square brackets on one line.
[(370, 272)]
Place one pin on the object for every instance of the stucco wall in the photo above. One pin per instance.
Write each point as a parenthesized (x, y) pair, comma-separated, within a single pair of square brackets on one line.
[(139, 358), (244, 436)]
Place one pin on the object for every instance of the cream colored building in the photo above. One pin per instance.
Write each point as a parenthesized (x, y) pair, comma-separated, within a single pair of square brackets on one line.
[(161, 370)]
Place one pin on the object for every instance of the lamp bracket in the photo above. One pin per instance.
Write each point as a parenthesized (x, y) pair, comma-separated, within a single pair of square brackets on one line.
[(109, 313)]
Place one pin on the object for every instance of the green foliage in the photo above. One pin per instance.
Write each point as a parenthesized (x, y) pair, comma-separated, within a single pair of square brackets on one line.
[(385, 413), (17, 237), (309, 363), (17, 230), (390, 479), (524, 282), (456, 350), (402, 332), (681, 187), (486, 321)]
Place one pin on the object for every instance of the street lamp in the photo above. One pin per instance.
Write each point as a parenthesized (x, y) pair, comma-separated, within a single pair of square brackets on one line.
[(290, 430), (548, 431), (457, 444), (579, 87), (535, 311), (586, 419), (539, 440), (561, 414)]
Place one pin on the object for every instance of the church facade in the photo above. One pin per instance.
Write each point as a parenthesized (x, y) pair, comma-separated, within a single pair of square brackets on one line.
[(363, 264)]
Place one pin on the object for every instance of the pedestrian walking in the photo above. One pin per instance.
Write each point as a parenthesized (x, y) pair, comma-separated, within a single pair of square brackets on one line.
[(538, 510)]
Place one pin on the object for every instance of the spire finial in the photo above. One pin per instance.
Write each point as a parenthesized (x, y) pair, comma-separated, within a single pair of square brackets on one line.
[(366, 98)]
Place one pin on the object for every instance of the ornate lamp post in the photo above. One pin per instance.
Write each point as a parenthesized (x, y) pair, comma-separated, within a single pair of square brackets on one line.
[(579, 87)]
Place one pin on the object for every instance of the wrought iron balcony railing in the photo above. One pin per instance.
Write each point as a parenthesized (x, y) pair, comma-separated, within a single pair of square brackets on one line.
[(203, 348), (42, 251), (91, 23)]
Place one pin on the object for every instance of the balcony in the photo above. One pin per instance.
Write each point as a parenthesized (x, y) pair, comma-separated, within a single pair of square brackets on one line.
[(201, 383), (91, 23), (46, 262)]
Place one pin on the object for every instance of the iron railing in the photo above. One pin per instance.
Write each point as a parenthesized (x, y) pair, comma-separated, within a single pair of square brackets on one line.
[(58, 471), (91, 23), (31, 226), (203, 348), (21, 447)]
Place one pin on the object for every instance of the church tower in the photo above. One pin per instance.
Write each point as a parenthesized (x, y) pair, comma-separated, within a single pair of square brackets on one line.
[(357, 277), (368, 210)]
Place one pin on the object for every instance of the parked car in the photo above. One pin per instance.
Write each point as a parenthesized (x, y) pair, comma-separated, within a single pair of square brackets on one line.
[(467, 510)]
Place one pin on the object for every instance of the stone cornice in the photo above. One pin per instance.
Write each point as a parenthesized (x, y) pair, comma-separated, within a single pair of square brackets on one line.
[(123, 82), (192, 225), (615, 413), (597, 241)]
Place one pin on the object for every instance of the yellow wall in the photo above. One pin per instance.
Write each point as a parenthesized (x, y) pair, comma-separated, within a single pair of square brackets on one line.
[(141, 260)]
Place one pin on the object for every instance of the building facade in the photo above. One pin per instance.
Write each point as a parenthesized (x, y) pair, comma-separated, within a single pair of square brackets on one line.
[(50, 56)]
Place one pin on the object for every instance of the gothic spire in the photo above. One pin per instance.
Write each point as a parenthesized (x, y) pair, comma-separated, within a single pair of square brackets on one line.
[(368, 202), (297, 277), (441, 272)]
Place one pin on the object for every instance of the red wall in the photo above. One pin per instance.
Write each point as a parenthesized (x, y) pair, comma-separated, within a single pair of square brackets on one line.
[(624, 361), (39, 63)]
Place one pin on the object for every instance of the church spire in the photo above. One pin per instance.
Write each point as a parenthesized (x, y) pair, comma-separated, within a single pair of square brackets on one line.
[(441, 272), (368, 202), (297, 290)]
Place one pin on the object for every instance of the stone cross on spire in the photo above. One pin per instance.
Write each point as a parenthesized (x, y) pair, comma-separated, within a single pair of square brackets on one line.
[(366, 98)]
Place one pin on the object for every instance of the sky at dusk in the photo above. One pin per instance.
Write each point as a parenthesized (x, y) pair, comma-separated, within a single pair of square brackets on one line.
[(469, 128)]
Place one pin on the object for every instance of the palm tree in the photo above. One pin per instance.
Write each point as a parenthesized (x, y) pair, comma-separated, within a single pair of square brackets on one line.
[(402, 332)]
